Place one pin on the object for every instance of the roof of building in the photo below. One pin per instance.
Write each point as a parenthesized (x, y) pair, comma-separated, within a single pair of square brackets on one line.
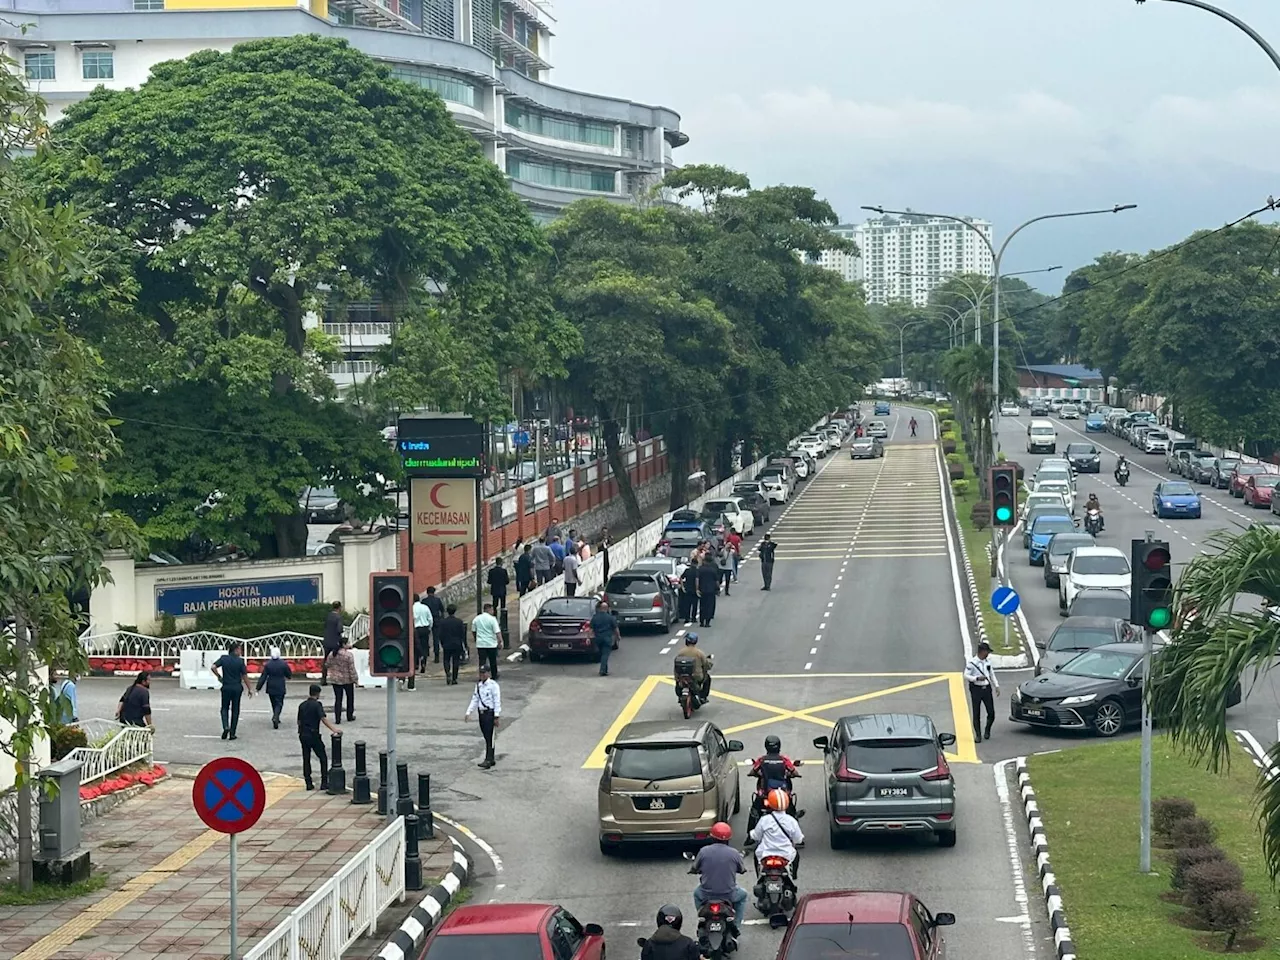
[(1071, 371)]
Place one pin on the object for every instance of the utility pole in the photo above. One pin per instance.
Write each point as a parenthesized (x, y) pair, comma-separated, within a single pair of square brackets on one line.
[(1144, 788)]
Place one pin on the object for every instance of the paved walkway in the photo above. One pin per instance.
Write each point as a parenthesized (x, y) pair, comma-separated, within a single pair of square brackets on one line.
[(166, 895)]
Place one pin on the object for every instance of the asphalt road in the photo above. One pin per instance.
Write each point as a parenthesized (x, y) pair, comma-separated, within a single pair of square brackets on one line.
[(1127, 511)]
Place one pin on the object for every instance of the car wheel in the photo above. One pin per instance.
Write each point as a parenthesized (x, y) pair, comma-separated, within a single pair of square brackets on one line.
[(737, 800), (836, 838), (535, 656), (607, 849), (1109, 718), (947, 839)]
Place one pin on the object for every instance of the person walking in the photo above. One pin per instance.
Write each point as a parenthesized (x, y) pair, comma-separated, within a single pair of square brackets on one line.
[(603, 549), (604, 630), (768, 548), (734, 540), (571, 542), (134, 709), (524, 570), (423, 621), (436, 606), (913, 426), (724, 561), (487, 633), (63, 693), (486, 703), (499, 581), (310, 717), (543, 560), (233, 674), (571, 564), (982, 684), (332, 637), (453, 637), (708, 587), (689, 591), (553, 530), (343, 677), (557, 554), (273, 676)]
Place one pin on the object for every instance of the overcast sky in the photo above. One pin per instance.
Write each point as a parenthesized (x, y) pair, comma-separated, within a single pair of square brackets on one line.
[(1002, 109)]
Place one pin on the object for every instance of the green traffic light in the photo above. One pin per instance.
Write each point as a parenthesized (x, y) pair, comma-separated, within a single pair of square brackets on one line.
[(1159, 618), (1004, 514), (389, 654)]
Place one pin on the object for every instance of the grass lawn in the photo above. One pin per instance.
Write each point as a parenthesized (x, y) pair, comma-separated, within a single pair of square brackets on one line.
[(1089, 802), (11, 896)]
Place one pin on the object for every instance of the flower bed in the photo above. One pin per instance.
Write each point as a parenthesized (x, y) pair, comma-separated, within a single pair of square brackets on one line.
[(123, 781)]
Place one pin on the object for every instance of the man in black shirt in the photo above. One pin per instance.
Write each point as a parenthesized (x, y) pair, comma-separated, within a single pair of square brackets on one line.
[(767, 549), (436, 606), (499, 580), (332, 637), (135, 705), (233, 673), (453, 634), (708, 587), (310, 717)]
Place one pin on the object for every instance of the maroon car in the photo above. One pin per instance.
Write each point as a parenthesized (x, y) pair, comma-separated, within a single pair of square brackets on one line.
[(864, 923), (563, 625), (1241, 475), (521, 931), (1259, 488)]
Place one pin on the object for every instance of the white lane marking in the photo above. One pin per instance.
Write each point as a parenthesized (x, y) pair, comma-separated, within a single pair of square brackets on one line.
[(474, 838), (817, 638), (809, 665), (1015, 856), (1260, 754), (812, 651), (1023, 919), (831, 603)]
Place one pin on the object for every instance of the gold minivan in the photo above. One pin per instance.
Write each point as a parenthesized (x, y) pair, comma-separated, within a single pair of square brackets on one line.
[(667, 781)]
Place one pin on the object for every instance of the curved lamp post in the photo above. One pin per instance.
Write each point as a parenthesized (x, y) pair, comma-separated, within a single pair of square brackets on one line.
[(1231, 19)]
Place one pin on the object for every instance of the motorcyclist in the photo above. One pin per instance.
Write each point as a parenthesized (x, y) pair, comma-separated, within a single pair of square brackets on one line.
[(701, 664), (774, 770), (1122, 466), (1093, 504), (778, 834), (667, 942), (913, 426), (718, 865)]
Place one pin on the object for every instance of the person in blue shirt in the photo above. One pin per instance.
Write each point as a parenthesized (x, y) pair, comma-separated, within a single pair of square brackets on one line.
[(64, 695), (604, 629), (557, 551)]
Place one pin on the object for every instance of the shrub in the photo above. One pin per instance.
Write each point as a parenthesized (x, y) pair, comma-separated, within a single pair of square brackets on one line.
[(251, 622), (1188, 857), (980, 514), (63, 739), (960, 488), (1192, 832), (1231, 912), (1204, 880), (1166, 811), (949, 435), (168, 625), (945, 413), (947, 426)]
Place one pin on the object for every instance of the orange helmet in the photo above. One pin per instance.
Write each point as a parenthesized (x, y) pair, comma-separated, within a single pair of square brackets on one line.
[(722, 832), (778, 799)]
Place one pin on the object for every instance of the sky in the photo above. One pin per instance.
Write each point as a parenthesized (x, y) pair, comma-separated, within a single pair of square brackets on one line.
[(999, 109)]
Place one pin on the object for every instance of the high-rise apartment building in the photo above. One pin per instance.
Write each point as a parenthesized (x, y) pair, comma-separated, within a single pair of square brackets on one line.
[(903, 258), (848, 265)]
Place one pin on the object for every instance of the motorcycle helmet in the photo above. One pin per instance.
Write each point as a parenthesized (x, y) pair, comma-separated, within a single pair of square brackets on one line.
[(722, 832), (777, 799), (669, 915), (690, 638), (772, 744)]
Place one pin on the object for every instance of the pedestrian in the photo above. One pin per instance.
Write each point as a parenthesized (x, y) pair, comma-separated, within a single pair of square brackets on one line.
[(310, 717), (603, 549), (423, 621), (436, 606), (273, 676), (767, 549), (689, 591), (982, 684), (553, 530), (486, 702), (571, 542), (571, 564), (332, 637), (233, 673), (724, 561), (543, 560), (134, 709), (604, 630), (584, 550), (499, 580), (708, 587), (66, 702), (734, 540), (487, 633), (557, 554), (343, 677), (524, 570), (453, 637)]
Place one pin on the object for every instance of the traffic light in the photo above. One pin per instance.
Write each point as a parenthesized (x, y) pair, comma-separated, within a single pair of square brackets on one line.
[(390, 625), (1004, 496), (1151, 585)]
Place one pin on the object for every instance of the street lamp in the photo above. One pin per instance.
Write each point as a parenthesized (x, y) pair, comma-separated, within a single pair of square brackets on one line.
[(976, 297), (1234, 21), (902, 356)]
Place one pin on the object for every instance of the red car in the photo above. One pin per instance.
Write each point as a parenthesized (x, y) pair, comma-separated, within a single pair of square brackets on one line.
[(513, 931), (1241, 475), (864, 923), (1258, 489)]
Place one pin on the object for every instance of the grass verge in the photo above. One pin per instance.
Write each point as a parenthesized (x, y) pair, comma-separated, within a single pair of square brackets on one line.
[(1088, 799), (11, 896)]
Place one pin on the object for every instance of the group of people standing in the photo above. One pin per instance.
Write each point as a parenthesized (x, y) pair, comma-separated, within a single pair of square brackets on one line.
[(713, 567), (546, 558)]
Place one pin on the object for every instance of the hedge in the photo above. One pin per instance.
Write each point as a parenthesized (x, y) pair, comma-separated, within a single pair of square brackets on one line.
[(249, 622)]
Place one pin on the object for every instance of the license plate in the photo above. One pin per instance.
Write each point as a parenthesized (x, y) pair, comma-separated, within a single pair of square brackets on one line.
[(1032, 712), (629, 619), (893, 792), (560, 646), (773, 886), (716, 926)]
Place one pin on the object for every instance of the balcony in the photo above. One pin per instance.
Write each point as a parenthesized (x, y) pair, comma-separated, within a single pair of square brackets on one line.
[(505, 45), (532, 11), (382, 14), (360, 337)]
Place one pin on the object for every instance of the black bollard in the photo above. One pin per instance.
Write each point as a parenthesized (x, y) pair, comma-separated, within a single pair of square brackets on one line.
[(426, 819), (360, 782), (505, 624), (337, 773), (404, 801), (384, 794), (412, 862)]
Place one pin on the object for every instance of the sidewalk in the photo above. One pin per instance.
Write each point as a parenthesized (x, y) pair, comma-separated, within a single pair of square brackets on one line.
[(166, 894)]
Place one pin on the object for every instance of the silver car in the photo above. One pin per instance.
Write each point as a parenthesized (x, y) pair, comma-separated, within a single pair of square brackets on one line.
[(866, 448), (878, 428), (886, 773), (642, 598)]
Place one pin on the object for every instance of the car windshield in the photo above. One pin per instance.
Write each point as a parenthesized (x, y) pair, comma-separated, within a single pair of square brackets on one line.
[(862, 442), (1052, 525), (1267, 481), (1078, 638), (858, 941), (1176, 490), (654, 563), (1157, 435), (1248, 469), (1052, 476), (1100, 606), (485, 946), (656, 763), (631, 584), (1226, 464), (581, 607), (1062, 544), (1100, 564), (1076, 449), (742, 491), (1100, 664), (892, 755), (1042, 430), (688, 538), (720, 506)]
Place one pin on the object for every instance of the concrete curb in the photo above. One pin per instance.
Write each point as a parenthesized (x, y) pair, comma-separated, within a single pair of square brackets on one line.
[(1064, 946), (406, 941)]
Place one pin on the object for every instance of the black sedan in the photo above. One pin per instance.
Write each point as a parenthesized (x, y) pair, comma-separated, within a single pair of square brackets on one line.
[(563, 625), (1109, 602), (754, 499), (1223, 468), (1084, 457), (1201, 469)]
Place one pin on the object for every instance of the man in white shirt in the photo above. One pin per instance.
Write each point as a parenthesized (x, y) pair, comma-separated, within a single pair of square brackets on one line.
[(486, 702), (777, 833), (571, 564), (488, 634), (982, 683), (422, 623)]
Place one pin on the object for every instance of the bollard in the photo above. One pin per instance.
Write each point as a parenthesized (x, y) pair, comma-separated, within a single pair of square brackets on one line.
[(384, 795), (505, 625), (337, 774), (426, 819), (404, 802), (412, 862), (360, 782)]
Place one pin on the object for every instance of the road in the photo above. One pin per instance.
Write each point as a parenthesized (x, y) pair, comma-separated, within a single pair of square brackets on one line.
[(1128, 517)]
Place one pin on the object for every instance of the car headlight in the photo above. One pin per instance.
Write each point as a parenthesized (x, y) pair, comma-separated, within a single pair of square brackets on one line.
[(1017, 695), (1077, 701), (1167, 503)]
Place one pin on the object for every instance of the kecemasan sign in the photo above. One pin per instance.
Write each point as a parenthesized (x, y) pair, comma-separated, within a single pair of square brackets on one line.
[(442, 511)]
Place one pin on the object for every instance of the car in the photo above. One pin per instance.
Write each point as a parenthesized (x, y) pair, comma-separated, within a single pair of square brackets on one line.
[(1055, 473), (1258, 490), (1175, 498), (740, 518), (1100, 602), (667, 566), (1155, 441), (1040, 498), (642, 598), (866, 448), (1197, 465), (756, 499), (1045, 508), (886, 772), (1095, 423), (1092, 567), (667, 781), (1042, 529), (1010, 410), (1084, 457), (864, 923), (530, 931), (562, 625), (1038, 408), (1042, 437), (835, 437), (1052, 465), (681, 539), (1075, 635), (317, 546), (323, 505), (1240, 476), (1057, 552), (882, 409), (775, 486), (794, 466), (1062, 488), (814, 445), (1223, 468), (877, 428), (1068, 411), (1176, 446)]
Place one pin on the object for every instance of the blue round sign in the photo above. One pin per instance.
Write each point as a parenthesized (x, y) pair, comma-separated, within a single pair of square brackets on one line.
[(1005, 601), (521, 438), (229, 795)]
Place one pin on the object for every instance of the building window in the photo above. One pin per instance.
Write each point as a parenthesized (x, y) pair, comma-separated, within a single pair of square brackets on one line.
[(148, 4), (98, 65), (633, 141), (559, 127), (40, 66), (564, 175), (453, 89)]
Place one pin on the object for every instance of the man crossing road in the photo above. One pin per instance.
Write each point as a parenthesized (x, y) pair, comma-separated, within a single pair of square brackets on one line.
[(913, 426), (982, 683), (767, 549)]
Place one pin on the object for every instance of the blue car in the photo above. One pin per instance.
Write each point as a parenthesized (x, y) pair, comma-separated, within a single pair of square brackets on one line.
[(882, 409), (1095, 423), (1175, 498), (1042, 531)]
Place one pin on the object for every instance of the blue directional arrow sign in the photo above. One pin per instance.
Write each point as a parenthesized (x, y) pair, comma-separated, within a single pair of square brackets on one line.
[(1005, 601)]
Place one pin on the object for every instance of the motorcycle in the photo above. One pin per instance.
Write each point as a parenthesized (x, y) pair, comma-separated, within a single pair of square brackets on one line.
[(688, 692), (717, 930), (1122, 476), (757, 800), (775, 890), (1093, 522)]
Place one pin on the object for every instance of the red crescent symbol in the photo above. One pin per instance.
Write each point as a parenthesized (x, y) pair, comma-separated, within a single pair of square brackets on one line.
[(434, 499)]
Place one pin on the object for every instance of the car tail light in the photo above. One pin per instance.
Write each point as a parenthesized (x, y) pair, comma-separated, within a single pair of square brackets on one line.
[(664, 542), (701, 835), (535, 626), (943, 816), (940, 772), (584, 626), (845, 775), (657, 602), (773, 863)]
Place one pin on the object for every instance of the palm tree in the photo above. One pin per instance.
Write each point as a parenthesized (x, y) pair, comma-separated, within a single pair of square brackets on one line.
[(1217, 641)]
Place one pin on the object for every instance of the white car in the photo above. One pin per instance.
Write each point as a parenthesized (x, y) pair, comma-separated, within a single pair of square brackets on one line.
[(1051, 464), (834, 439), (1059, 488), (814, 446), (1155, 441), (1044, 496), (1056, 473), (1010, 410), (732, 509), (1092, 567), (1069, 411), (775, 488), (877, 428)]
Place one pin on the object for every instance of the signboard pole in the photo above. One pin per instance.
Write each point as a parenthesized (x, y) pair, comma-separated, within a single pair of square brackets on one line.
[(412, 550), (1004, 544), (234, 942), (391, 743), (229, 796), (479, 554)]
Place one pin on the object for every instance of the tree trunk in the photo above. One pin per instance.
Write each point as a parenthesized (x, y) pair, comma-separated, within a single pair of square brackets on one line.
[(620, 474), (22, 644), (677, 467), (724, 460), (290, 535)]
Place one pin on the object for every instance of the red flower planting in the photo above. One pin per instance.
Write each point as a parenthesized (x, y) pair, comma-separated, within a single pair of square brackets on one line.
[(123, 781)]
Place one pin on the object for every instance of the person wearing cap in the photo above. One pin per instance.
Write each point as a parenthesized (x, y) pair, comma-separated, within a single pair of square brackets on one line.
[(982, 684), (273, 676), (486, 703)]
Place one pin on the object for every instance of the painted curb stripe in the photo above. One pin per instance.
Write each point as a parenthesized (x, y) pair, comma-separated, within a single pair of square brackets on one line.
[(1054, 908), (406, 941)]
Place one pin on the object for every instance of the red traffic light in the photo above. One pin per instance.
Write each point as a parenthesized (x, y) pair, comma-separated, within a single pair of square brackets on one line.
[(1156, 559), (390, 598)]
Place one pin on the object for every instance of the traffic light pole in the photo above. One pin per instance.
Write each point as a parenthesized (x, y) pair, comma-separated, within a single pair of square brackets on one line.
[(1144, 789), (391, 744)]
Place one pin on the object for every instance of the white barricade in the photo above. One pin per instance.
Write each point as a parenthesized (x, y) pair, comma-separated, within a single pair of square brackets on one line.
[(363, 677), (193, 669)]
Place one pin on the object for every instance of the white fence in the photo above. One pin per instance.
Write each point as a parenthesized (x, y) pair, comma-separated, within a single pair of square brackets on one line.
[(347, 906), (118, 746)]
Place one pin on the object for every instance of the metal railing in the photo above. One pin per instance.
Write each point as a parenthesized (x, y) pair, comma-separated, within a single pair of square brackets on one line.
[(337, 914), (117, 746), (126, 643)]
